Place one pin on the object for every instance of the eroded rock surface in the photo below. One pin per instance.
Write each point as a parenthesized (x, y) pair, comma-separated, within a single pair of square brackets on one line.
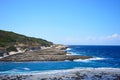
[(50, 54), (73, 74)]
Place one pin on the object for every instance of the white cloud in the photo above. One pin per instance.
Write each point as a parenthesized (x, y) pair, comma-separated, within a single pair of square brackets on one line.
[(114, 36), (109, 39)]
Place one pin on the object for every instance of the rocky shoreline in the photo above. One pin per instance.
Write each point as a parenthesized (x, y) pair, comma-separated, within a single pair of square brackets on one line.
[(21, 58), (72, 74), (55, 53)]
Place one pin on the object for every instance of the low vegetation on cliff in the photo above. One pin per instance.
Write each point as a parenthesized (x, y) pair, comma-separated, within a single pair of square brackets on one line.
[(8, 39)]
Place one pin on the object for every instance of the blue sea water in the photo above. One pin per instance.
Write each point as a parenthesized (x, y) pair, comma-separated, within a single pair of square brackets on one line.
[(103, 57)]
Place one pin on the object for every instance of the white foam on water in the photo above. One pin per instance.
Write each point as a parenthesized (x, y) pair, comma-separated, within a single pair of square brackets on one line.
[(26, 69), (90, 59), (12, 71), (68, 49), (87, 71), (72, 53), (16, 71), (96, 58), (84, 70)]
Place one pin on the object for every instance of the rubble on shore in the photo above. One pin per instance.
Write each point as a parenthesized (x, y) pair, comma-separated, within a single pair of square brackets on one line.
[(72, 74)]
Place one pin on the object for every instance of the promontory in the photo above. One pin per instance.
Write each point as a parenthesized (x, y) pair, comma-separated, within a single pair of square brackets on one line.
[(17, 47)]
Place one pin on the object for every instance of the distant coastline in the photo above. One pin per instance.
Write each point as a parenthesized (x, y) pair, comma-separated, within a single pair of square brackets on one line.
[(92, 45)]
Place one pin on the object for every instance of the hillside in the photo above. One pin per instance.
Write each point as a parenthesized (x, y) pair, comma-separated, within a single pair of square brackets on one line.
[(16, 47), (8, 39)]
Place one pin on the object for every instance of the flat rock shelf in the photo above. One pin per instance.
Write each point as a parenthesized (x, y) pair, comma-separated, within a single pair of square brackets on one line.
[(43, 55), (17, 58)]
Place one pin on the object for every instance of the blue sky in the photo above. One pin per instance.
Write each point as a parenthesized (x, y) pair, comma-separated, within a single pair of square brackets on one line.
[(81, 22)]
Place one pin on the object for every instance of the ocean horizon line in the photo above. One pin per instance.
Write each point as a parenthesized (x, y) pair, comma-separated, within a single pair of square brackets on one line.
[(89, 45)]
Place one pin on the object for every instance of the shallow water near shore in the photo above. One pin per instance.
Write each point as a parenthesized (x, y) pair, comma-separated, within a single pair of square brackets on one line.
[(103, 57)]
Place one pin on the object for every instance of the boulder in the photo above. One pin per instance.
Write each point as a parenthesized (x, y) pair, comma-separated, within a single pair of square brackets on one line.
[(60, 47)]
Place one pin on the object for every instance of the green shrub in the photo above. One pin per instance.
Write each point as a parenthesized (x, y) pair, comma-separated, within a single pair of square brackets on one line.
[(11, 48), (8, 38)]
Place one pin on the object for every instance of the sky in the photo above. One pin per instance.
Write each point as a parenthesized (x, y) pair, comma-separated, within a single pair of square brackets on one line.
[(70, 22)]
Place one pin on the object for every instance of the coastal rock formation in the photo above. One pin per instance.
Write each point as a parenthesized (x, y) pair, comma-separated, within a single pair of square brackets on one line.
[(49, 51), (3, 52), (10, 41), (22, 57), (59, 47), (43, 55), (18, 47), (73, 74)]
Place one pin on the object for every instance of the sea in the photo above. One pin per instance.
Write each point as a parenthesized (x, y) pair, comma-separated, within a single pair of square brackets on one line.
[(103, 57)]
